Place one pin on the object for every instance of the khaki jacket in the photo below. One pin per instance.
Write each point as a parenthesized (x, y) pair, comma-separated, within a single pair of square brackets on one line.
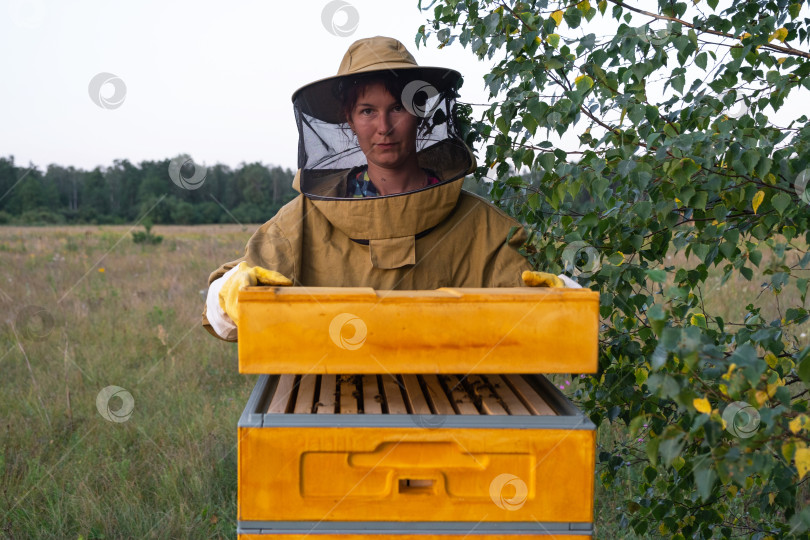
[(441, 236)]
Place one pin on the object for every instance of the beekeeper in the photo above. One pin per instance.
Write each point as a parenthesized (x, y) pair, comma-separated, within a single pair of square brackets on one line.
[(381, 164)]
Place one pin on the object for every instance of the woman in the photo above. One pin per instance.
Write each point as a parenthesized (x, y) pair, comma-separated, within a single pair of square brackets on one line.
[(381, 166)]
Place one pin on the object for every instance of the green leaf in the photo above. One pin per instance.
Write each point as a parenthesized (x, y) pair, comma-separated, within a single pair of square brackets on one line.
[(678, 82), (750, 158), (652, 450), (573, 17), (670, 449), (583, 83), (780, 202), (704, 478), (529, 123), (682, 170), (804, 370), (701, 60), (657, 275), (636, 113), (502, 125)]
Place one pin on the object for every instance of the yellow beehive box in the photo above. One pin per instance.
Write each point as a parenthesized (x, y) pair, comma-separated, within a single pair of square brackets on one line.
[(287, 330), (435, 456)]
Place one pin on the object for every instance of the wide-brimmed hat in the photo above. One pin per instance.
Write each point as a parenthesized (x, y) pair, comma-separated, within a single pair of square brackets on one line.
[(321, 99)]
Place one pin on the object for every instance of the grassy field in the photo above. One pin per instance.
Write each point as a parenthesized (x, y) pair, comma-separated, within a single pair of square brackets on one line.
[(129, 316), (111, 312)]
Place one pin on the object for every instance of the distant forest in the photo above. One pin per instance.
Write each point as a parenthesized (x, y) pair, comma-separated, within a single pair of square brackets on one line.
[(125, 192)]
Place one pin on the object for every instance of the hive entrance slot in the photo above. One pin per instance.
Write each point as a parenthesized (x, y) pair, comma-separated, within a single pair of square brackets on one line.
[(411, 486)]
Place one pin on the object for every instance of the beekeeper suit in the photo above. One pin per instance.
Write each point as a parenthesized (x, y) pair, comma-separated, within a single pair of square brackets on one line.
[(329, 236)]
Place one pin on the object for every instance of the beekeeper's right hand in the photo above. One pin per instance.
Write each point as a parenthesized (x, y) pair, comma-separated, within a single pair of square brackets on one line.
[(246, 276)]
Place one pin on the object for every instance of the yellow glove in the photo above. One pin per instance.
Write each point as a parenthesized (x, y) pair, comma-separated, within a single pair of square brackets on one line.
[(541, 279), (246, 276)]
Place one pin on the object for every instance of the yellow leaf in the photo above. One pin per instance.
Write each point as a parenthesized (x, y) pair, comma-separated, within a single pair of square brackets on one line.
[(797, 423), (802, 461), (780, 34), (584, 6), (723, 388), (733, 490), (727, 376), (537, 40), (757, 200), (702, 405), (553, 40), (780, 61), (761, 396), (698, 319), (771, 388), (771, 359), (745, 35), (771, 497), (557, 16)]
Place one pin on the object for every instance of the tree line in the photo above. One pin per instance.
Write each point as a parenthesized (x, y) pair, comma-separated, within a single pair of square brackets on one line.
[(125, 192)]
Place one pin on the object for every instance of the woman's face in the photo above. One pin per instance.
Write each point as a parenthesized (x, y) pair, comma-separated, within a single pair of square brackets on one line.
[(385, 130)]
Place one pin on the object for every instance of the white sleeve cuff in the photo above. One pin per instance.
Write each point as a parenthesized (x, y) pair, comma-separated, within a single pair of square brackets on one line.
[(220, 321), (569, 283)]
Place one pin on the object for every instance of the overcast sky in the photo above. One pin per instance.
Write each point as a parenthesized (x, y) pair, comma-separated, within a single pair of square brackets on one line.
[(209, 79)]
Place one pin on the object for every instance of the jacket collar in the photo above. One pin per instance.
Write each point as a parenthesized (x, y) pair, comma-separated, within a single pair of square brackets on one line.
[(393, 216)]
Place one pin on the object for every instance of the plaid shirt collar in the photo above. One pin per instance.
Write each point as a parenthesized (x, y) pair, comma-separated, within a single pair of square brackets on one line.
[(360, 186)]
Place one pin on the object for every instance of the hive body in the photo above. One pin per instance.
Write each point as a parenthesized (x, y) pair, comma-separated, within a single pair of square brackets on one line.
[(334, 444)]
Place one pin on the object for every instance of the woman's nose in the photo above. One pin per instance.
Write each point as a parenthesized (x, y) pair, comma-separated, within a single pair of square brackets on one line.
[(385, 124)]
